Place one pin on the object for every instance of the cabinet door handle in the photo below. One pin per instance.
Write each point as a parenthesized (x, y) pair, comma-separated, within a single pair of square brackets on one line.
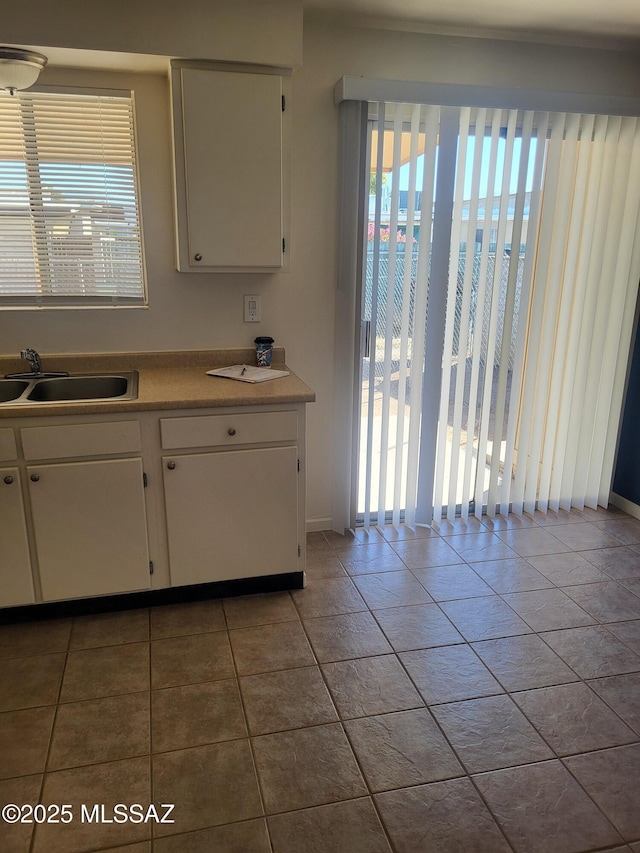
[(8, 480), (197, 257), (231, 431), (34, 478), (171, 465)]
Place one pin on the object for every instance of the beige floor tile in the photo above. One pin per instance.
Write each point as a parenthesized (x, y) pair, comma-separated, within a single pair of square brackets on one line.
[(374, 685), (328, 597), (249, 836), (548, 609), (449, 673), (350, 635), (628, 632), (490, 733), (610, 777), (511, 521), (540, 807), (110, 629), (323, 564), (606, 602), (627, 530), (422, 553), (352, 538), (442, 816), (484, 618), (583, 537), (98, 730), (448, 582), (246, 611), (350, 827), (196, 714), (317, 541), (417, 626), (593, 652), (92, 673), (24, 741), (391, 589), (193, 617), (306, 767), (522, 663), (287, 699), (567, 569), (475, 547), (125, 781), (190, 659), (16, 837), (401, 749), (532, 541), (29, 682), (621, 693), (377, 557), (571, 718), (210, 785), (34, 638), (511, 575), (617, 563), (139, 847), (266, 648)]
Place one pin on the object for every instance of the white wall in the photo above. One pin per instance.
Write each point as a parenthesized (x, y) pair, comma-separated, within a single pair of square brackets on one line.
[(202, 311)]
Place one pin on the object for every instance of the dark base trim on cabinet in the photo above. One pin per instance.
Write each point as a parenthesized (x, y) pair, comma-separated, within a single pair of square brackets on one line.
[(152, 598)]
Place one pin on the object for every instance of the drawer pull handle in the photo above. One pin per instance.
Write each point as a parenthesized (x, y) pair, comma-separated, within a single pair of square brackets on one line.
[(34, 478), (171, 465), (8, 480), (231, 431)]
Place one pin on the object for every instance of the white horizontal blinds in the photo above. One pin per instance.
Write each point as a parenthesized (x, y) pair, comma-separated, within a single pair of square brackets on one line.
[(69, 211), (395, 304), (584, 291)]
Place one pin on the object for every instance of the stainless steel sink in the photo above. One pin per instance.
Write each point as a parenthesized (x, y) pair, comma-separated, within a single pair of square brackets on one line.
[(11, 389), (68, 389)]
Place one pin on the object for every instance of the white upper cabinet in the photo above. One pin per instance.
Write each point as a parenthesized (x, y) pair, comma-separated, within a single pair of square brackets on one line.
[(229, 173)]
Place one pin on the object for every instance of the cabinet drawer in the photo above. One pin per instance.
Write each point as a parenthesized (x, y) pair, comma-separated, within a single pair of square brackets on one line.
[(77, 440), (8, 450), (215, 430)]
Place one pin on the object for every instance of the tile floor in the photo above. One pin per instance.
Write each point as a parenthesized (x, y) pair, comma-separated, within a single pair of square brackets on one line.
[(464, 687)]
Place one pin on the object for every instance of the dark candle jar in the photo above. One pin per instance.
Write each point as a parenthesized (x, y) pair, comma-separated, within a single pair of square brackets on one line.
[(264, 351)]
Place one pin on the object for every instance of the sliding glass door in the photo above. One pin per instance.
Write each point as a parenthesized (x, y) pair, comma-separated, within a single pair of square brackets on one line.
[(484, 260)]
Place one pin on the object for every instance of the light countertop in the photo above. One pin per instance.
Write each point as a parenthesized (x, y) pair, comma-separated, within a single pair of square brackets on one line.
[(167, 380)]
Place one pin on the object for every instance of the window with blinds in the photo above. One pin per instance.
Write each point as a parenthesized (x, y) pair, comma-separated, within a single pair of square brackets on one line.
[(69, 208)]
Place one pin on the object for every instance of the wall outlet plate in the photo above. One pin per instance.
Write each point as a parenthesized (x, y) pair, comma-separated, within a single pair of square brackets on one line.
[(252, 308)]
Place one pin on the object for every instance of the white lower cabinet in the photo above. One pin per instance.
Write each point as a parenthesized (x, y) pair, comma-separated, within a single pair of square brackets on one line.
[(232, 514), (16, 582), (92, 506), (89, 527)]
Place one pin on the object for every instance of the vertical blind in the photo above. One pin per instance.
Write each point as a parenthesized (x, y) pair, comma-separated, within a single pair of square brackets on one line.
[(537, 224), (69, 209)]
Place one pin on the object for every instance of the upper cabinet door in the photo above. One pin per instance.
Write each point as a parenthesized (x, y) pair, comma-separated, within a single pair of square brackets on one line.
[(228, 140)]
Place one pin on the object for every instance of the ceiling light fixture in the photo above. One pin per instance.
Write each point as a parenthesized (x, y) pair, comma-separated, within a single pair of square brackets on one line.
[(19, 68)]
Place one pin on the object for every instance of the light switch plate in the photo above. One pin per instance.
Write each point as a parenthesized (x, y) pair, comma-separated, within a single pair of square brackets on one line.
[(252, 308)]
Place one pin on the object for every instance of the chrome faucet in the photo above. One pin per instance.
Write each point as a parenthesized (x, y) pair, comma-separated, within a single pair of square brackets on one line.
[(33, 358)]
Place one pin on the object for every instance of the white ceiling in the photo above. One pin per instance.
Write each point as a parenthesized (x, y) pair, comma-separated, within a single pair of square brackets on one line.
[(566, 19)]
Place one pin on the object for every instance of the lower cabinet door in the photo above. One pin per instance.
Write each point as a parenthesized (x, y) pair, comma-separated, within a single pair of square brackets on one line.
[(90, 527), (16, 581), (232, 514)]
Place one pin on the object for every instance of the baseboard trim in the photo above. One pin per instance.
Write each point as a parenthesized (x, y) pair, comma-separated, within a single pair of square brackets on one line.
[(624, 504), (316, 524), (151, 598)]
